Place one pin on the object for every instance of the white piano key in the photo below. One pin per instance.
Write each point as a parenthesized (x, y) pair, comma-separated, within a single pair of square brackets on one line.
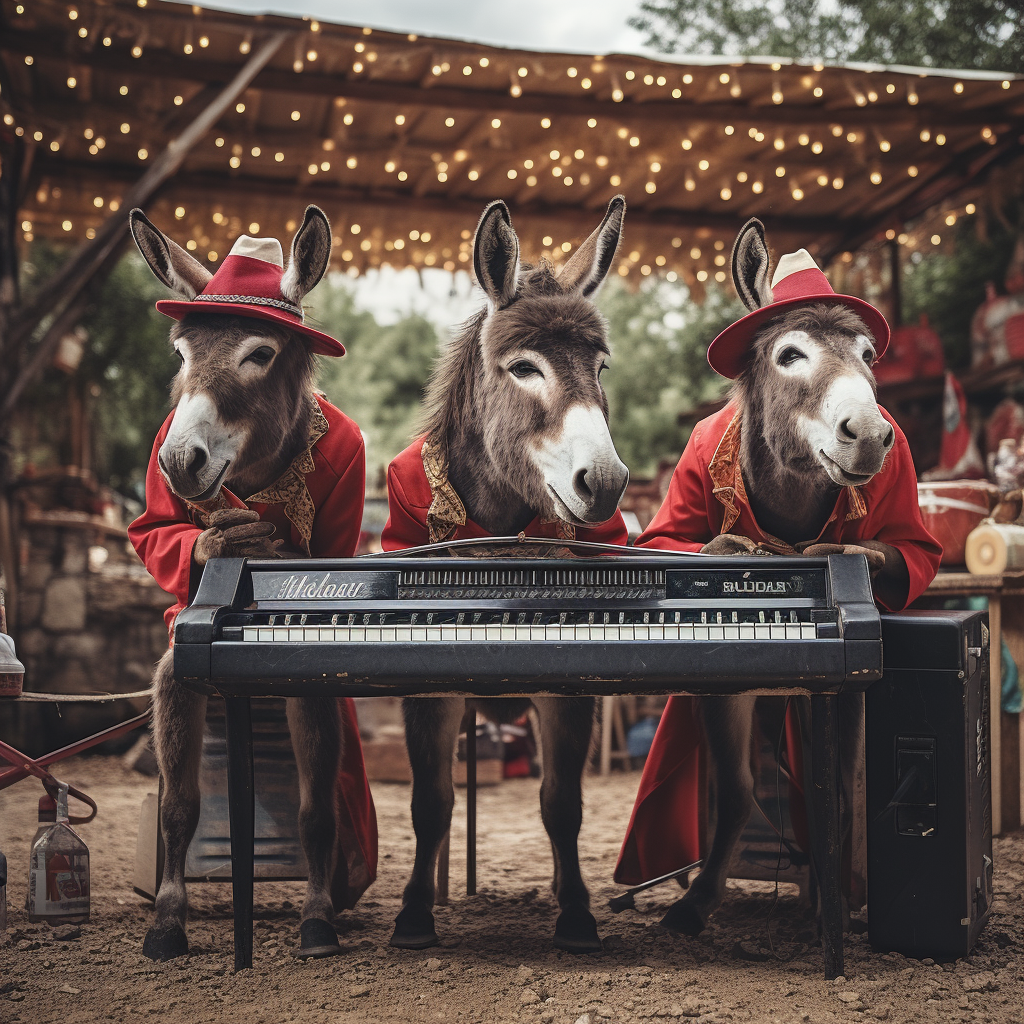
[(746, 631), (250, 633), (566, 632), (792, 630), (388, 634), (492, 632), (373, 634), (627, 631), (280, 634), (311, 634), (671, 632), (477, 633), (420, 634), (808, 631), (509, 633), (732, 632), (434, 634), (657, 632), (778, 631), (266, 633), (716, 632), (357, 634), (342, 634), (594, 631), (762, 631), (325, 634), (403, 634), (449, 634), (685, 631), (641, 632), (700, 632), (611, 631), (536, 632), (295, 634)]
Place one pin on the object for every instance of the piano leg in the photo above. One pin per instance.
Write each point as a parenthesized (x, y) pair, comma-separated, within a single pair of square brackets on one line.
[(826, 846), (470, 723), (241, 810)]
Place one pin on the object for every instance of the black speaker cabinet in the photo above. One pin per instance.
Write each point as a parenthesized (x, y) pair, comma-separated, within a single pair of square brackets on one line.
[(928, 785)]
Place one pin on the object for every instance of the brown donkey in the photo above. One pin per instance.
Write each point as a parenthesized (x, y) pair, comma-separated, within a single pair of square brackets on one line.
[(516, 409), (810, 427), (243, 401)]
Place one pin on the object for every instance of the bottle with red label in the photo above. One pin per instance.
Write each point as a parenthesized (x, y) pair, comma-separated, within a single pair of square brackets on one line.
[(58, 877)]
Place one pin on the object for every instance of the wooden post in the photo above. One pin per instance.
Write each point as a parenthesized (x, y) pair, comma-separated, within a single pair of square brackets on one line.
[(72, 278), (896, 285)]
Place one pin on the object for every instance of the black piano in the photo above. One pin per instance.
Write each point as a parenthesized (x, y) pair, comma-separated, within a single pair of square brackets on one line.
[(483, 623)]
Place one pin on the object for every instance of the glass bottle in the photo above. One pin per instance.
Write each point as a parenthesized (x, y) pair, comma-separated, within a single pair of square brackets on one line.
[(58, 877)]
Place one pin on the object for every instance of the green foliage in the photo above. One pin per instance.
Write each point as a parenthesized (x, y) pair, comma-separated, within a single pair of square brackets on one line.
[(380, 381), (124, 375), (980, 34), (949, 287), (659, 366)]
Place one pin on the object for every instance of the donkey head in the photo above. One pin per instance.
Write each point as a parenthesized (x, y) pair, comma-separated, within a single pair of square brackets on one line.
[(241, 395), (808, 379), (540, 411)]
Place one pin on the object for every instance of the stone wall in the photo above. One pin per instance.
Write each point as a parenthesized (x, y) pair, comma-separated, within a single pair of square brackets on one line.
[(87, 618)]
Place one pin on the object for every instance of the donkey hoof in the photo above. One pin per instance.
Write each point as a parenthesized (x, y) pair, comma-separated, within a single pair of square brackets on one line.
[(165, 943), (414, 929), (318, 939), (576, 932), (682, 918)]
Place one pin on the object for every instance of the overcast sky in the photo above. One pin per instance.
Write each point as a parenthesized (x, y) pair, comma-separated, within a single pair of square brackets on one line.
[(585, 26)]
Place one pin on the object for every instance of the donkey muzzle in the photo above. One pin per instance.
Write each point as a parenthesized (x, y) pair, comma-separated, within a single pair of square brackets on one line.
[(198, 450), (862, 439)]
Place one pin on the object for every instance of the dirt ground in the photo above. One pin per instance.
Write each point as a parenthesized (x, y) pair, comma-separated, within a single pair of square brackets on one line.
[(496, 962)]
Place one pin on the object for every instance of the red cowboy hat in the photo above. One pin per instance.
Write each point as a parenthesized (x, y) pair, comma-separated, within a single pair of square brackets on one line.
[(248, 283), (797, 281)]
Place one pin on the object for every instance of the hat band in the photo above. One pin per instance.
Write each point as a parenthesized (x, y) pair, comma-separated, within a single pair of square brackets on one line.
[(253, 300)]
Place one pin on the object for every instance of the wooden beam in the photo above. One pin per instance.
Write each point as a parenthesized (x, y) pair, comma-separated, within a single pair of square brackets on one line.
[(159, 64), (72, 278), (969, 169)]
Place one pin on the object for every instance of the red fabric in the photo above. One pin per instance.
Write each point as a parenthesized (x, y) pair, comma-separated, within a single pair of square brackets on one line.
[(409, 498), (242, 278), (662, 832), (165, 534), (726, 354)]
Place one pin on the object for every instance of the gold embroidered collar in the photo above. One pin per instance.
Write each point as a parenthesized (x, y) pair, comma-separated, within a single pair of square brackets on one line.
[(289, 489), (727, 477), (447, 513)]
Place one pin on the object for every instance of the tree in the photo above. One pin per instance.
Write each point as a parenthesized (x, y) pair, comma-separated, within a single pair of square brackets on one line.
[(659, 367), (978, 34)]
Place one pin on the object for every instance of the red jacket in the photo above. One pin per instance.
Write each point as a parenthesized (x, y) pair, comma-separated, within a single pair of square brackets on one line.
[(706, 497), (419, 513), (317, 507)]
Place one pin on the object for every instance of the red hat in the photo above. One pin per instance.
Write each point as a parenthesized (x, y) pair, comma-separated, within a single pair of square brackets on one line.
[(248, 283), (797, 281)]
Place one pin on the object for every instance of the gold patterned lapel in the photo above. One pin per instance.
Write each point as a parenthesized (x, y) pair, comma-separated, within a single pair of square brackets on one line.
[(446, 513), (290, 488)]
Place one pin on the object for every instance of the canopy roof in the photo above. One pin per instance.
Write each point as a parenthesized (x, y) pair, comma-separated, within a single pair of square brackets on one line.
[(403, 139)]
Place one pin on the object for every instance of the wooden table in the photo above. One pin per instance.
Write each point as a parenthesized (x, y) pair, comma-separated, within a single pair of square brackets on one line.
[(1005, 595)]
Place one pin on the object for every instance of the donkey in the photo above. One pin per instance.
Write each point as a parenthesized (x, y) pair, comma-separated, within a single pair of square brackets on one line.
[(810, 427), (243, 400), (516, 405)]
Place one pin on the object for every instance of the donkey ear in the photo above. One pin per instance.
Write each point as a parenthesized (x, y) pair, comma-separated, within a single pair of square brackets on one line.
[(589, 264), (182, 273), (311, 254), (750, 265), (496, 255)]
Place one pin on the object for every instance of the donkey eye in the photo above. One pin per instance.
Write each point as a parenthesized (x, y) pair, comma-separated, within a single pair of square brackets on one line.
[(602, 368), (789, 355), (869, 356), (260, 356), (524, 369), (180, 355)]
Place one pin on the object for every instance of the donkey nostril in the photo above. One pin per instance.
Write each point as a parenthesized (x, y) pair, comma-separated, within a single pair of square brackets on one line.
[(889, 438), (846, 431), (197, 461), (579, 483)]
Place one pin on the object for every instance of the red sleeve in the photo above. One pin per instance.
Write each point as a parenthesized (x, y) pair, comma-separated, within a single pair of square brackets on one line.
[(339, 514), (164, 534), (406, 526), (613, 531), (895, 519), (682, 522)]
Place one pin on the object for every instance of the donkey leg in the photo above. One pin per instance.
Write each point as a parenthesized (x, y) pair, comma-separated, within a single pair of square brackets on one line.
[(316, 740), (431, 729), (727, 723), (566, 724), (178, 719)]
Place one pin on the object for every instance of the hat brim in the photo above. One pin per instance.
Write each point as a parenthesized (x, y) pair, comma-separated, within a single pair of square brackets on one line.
[(322, 344), (726, 354)]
